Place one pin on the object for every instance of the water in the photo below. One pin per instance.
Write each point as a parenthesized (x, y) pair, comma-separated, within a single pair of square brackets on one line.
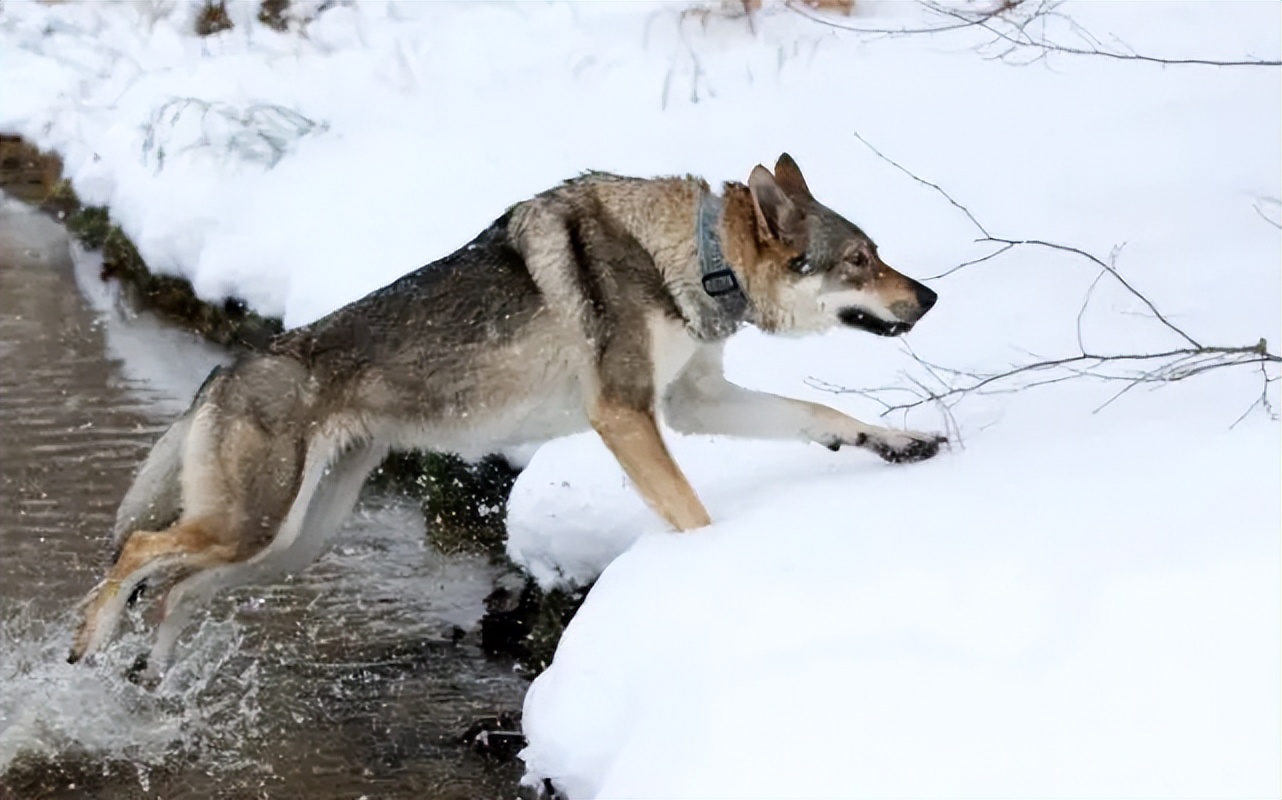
[(344, 682)]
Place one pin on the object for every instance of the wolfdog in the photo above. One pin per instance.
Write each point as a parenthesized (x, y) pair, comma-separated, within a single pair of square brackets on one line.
[(594, 305)]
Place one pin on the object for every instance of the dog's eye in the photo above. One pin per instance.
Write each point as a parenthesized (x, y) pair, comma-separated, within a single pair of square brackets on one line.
[(859, 260), (800, 265)]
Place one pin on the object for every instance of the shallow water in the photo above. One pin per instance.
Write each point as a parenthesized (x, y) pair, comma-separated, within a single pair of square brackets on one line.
[(343, 682)]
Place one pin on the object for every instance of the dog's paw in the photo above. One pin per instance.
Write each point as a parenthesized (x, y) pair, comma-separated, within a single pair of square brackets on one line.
[(904, 447)]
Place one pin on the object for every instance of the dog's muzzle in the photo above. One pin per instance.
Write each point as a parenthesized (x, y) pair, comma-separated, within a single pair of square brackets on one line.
[(865, 321), (907, 314)]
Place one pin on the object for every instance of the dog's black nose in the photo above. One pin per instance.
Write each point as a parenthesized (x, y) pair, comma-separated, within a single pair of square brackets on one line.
[(925, 298)]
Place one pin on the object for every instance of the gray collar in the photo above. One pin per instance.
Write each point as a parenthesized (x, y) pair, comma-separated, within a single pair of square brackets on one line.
[(717, 277)]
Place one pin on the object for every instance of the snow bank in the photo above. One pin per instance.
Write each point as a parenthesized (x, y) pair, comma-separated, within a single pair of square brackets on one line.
[(1086, 616), (1072, 604)]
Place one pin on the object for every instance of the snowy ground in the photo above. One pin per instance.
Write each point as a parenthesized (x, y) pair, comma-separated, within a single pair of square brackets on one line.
[(1068, 603)]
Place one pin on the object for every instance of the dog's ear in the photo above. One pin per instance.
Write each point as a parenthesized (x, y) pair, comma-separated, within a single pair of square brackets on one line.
[(789, 177), (777, 216)]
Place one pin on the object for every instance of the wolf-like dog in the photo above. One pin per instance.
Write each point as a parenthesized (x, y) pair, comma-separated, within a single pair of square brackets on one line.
[(597, 304)]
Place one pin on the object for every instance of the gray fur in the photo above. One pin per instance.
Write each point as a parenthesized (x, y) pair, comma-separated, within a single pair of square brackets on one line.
[(154, 499)]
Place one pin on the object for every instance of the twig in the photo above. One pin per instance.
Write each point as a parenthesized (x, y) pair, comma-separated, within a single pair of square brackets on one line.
[(1173, 365), (1009, 244), (925, 182), (260, 132), (1019, 38), (979, 260), (980, 383), (1108, 268), (1260, 402), (1260, 211), (802, 10), (1016, 18), (1086, 301)]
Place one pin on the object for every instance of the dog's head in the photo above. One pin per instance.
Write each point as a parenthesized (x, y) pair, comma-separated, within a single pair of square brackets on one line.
[(817, 270)]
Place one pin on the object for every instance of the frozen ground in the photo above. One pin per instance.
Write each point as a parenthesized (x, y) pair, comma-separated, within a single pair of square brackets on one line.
[(1068, 603)]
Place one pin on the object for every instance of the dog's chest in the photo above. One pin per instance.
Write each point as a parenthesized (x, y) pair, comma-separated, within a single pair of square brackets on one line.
[(671, 347)]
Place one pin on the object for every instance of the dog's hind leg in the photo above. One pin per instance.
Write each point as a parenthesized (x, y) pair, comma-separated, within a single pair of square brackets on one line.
[(154, 499), (188, 544), (236, 483), (326, 511), (323, 501)]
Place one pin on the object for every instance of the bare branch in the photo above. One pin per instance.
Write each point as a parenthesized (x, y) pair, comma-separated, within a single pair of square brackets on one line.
[(924, 182), (1016, 27), (1108, 268), (1261, 402), (803, 10), (1017, 36), (1009, 244), (1178, 365), (1130, 369), (964, 264), (1260, 211)]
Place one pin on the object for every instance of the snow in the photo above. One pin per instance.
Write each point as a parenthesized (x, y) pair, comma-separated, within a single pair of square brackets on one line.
[(965, 627), (1069, 601)]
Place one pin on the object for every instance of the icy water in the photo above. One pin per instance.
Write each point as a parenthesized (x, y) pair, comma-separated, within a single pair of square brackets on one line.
[(345, 682)]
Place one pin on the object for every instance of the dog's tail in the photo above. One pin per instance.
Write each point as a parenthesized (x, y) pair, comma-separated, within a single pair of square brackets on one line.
[(154, 500)]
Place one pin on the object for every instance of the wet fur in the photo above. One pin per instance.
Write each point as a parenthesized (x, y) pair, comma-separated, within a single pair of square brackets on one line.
[(579, 308)]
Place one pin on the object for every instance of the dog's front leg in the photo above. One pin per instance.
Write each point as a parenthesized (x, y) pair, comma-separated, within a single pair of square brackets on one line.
[(832, 429), (701, 400), (633, 437)]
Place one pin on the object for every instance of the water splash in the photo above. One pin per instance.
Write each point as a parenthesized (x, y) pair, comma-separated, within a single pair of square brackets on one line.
[(59, 718)]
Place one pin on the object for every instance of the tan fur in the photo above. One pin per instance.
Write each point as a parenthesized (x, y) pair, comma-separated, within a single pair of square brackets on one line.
[(633, 437), (762, 260), (188, 545)]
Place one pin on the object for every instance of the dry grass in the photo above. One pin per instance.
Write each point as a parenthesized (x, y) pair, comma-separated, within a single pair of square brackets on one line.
[(272, 14), (843, 7), (213, 18)]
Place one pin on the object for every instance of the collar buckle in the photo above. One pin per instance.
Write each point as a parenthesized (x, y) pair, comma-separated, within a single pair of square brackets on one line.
[(720, 282)]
